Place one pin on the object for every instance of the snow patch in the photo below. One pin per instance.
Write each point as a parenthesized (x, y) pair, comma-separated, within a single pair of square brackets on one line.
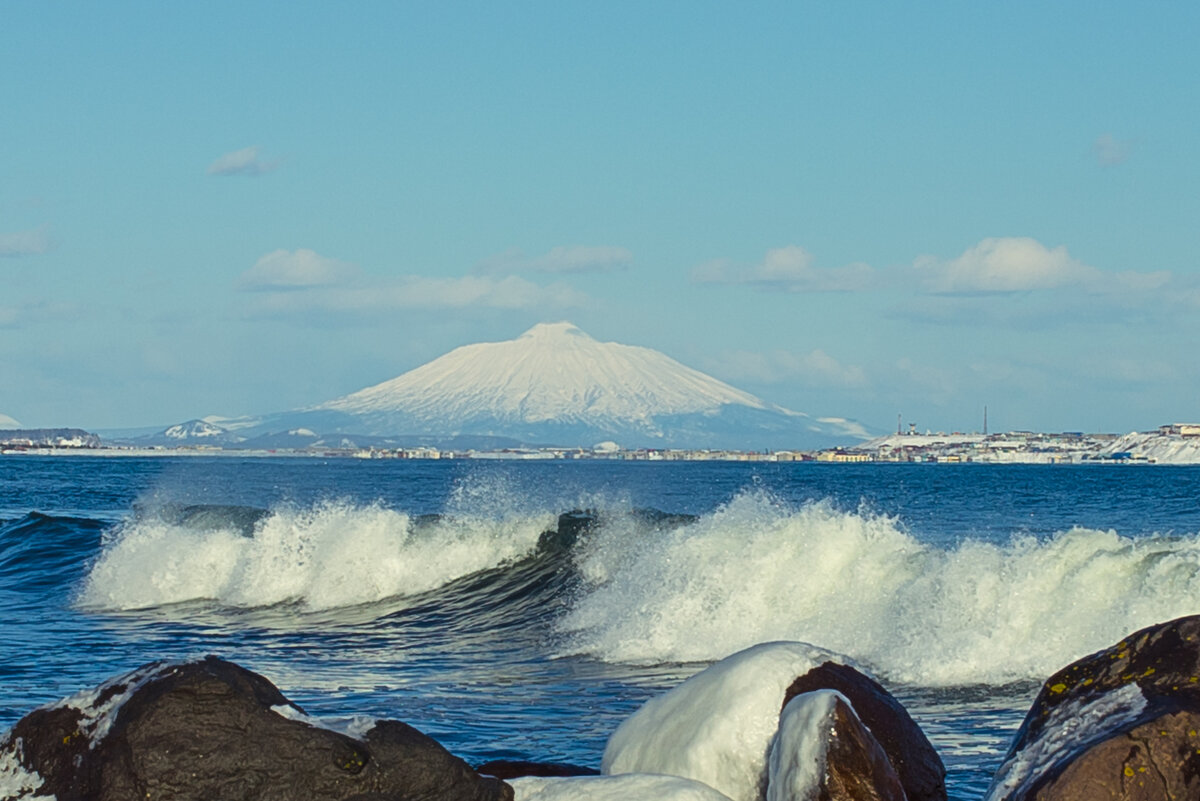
[(799, 753), (354, 727), (100, 705), (16, 782), (194, 429), (1071, 728)]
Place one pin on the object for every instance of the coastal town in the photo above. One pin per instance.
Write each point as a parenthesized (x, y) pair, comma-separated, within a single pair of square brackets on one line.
[(1176, 443)]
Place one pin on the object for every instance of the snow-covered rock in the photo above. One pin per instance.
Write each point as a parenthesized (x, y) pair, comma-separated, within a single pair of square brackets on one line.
[(824, 751), (716, 727)]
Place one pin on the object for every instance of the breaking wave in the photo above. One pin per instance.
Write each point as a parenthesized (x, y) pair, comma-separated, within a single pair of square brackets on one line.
[(327, 556), (648, 588), (859, 584)]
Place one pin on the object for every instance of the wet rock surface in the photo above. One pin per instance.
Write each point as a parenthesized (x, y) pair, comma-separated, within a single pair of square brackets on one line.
[(213, 730), (1123, 723), (917, 764), (824, 751)]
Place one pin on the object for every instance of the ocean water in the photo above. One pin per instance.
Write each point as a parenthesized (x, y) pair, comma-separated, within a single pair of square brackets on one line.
[(424, 590)]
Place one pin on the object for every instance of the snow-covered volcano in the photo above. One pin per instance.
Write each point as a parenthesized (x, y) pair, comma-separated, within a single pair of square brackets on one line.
[(556, 385), (552, 373)]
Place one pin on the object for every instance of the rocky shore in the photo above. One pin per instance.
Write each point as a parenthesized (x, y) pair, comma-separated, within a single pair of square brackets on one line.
[(777, 722)]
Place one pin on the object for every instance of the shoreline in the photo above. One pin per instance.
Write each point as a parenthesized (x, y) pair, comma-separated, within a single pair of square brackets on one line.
[(832, 457)]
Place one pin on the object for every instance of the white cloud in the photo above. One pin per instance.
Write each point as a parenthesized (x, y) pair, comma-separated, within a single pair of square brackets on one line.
[(789, 269), (1005, 264), (815, 368), (25, 243), (426, 294), (563, 260), (1111, 151), (297, 269), (242, 162), (1022, 264)]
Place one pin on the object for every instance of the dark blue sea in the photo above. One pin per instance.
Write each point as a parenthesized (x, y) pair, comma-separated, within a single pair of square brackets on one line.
[(425, 591)]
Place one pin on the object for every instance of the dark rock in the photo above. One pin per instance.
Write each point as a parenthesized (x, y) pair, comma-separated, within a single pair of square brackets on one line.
[(1121, 723), (579, 523), (516, 768), (571, 526), (917, 764), (1130, 765), (823, 751), (856, 765), (206, 730)]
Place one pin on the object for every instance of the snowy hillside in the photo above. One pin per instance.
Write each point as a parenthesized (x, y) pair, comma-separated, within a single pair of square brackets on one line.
[(8, 422), (194, 429), (1156, 446), (555, 384)]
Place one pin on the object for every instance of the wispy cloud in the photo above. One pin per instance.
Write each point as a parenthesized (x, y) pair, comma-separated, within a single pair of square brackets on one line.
[(242, 162), (1111, 151), (38, 311), (788, 269), (419, 293), (568, 259), (25, 243), (815, 368), (296, 269)]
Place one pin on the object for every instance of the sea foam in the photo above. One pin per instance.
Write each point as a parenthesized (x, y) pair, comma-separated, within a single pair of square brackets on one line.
[(322, 557), (858, 583)]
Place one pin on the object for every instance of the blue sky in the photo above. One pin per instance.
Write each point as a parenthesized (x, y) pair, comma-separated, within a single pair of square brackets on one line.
[(851, 209)]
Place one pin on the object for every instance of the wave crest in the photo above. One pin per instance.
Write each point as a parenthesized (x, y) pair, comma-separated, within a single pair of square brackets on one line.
[(326, 556), (859, 584)]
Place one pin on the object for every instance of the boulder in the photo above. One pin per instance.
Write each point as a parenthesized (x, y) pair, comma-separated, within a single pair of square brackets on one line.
[(823, 751), (210, 729), (909, 751), (724, 727), (1121, 723), (716, 727)]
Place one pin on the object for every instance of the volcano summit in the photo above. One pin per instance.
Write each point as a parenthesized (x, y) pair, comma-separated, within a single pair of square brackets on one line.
[(555, 385)]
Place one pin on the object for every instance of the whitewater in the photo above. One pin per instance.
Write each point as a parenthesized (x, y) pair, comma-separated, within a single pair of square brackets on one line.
[(455, 597)]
